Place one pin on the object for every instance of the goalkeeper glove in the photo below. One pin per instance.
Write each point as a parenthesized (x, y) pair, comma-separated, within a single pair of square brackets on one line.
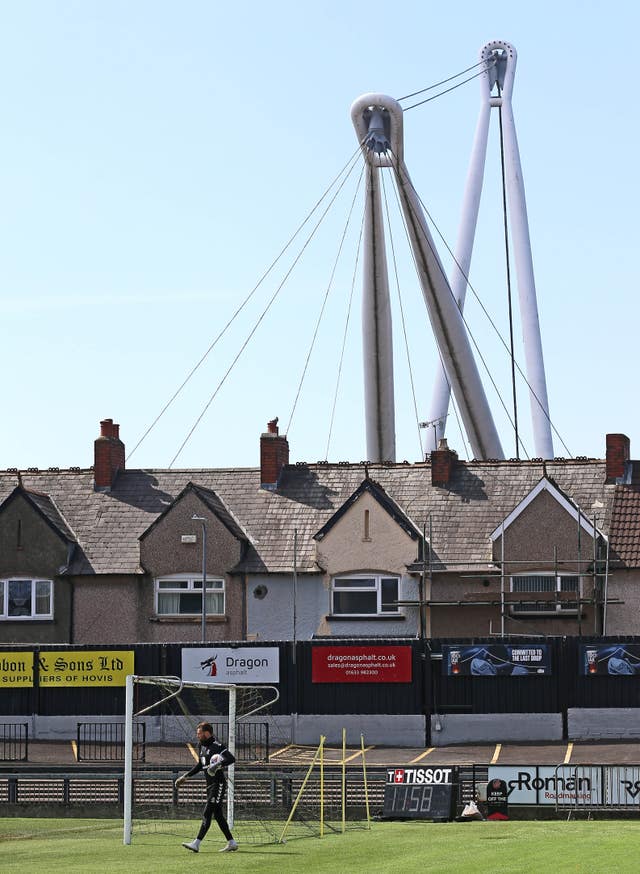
[(180, 781)]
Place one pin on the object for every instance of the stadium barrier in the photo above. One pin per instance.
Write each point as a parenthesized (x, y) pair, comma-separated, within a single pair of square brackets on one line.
[(104, 742), (270, 790), (597, 788), (251, 743), (14, 742)]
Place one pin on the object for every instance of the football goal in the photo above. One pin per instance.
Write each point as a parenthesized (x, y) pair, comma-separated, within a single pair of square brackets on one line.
[(171, 709)]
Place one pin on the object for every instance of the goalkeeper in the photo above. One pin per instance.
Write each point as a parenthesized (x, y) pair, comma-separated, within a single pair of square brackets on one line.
[(213, 758)]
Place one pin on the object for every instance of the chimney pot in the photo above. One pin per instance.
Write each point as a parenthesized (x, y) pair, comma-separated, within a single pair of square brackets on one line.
[(106, 428), (272, 426)]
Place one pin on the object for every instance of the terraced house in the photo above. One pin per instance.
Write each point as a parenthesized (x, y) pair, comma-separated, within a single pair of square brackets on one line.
[(439, 548)]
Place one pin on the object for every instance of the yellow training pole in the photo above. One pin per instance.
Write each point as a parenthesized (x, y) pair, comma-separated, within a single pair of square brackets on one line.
[(364, 777), (300, 791), (344, 777), (322, 740)]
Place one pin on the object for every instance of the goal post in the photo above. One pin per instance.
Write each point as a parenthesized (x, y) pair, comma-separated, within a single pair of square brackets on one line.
[(241, 702)]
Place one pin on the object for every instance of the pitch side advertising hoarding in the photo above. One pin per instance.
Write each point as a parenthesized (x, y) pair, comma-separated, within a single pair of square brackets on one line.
[(241, 664), (361, 664), (16, 669), (496, 659), (59, 668), (85, 667), (622, 786), (566, 785), (613, 660), (607, 786)]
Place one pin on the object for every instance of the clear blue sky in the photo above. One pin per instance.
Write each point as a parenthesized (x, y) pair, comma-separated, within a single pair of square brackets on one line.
[(155, 157)]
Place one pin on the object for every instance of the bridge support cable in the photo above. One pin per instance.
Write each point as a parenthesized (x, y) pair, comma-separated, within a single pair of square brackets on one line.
[(264, 311), (346, 169), (324, 304)]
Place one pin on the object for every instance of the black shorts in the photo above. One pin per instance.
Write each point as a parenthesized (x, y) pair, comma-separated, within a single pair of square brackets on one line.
[(216, 791)]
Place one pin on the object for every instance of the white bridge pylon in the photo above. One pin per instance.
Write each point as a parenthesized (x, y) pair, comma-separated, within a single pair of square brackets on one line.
[(377, 119), (378, 123), (500, 60), (377, 336)]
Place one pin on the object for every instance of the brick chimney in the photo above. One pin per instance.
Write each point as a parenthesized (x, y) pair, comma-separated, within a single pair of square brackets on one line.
[(443, 461), (108, 455), (618, 452), (274, 454)]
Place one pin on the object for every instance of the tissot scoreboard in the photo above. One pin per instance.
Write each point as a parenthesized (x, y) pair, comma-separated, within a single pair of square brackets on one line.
[(419, 793)]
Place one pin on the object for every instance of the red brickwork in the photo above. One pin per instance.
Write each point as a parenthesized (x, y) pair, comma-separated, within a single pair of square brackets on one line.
[(618, 452), (274, 454), (442, 464), (109, 454)]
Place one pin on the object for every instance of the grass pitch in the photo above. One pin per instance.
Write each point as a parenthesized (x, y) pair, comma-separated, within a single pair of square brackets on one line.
[(83, 846)]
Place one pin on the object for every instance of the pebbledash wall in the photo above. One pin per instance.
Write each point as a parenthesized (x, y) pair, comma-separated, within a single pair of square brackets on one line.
[(423, 703)]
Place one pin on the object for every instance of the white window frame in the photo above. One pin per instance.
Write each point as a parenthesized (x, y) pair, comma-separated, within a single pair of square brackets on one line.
[(550, 608), (215, 586), (33, 616), (376, 588)]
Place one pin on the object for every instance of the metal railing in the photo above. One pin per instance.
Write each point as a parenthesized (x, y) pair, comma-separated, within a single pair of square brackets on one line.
[(14, 742), (590, 788), (253, 790), (252, 740), (104, 742)]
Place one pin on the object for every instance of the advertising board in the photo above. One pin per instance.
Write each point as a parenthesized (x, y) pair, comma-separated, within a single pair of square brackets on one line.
[(238, 664), (496, 660), (361, 664)]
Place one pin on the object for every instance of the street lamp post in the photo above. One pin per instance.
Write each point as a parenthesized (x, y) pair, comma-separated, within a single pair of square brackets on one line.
[(203, 629)]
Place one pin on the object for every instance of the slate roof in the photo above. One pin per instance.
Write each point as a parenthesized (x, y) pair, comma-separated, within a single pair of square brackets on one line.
[(378, 493), (625, 534), (213, 502), (107, 525), (46, 508)]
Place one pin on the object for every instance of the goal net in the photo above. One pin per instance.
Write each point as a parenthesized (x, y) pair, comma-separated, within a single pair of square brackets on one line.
[(276, 791), (160, 744)]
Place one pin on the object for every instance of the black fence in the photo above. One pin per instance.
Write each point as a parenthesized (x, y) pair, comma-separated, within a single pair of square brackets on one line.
[(427, 688), (252, 740), (14, 742), (104, 742), (269, 794)]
